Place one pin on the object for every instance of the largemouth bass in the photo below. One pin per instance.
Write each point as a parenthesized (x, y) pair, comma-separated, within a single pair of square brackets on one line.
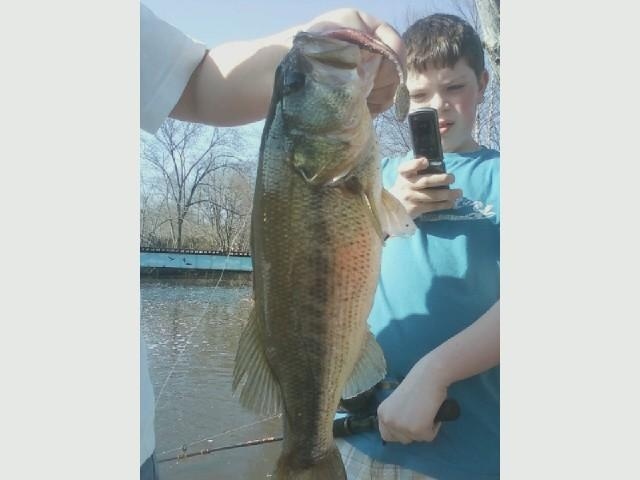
[(319, 219)]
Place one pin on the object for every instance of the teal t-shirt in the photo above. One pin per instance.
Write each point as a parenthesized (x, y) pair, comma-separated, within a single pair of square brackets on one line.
[(433, 285)]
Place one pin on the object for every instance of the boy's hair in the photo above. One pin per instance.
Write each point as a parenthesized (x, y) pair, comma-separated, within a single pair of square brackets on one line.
[(440, 40)]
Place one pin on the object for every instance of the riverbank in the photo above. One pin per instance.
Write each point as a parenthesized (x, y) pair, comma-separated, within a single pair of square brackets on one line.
[(224, 277)]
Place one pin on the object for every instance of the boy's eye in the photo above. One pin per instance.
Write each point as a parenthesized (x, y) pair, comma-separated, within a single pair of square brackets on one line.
[(457, 86)]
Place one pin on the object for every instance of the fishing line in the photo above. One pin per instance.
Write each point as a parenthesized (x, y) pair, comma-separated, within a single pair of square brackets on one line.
[(197, 327), (199, 321)]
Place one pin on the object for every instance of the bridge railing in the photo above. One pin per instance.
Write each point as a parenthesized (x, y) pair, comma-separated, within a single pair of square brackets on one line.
[(230, 253)]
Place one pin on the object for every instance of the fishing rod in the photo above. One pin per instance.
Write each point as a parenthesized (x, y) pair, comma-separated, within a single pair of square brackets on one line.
[(206, 451), (353, 424), (342, 427)]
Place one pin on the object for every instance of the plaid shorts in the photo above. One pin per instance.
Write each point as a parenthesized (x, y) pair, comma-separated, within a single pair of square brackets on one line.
[(359, 466)]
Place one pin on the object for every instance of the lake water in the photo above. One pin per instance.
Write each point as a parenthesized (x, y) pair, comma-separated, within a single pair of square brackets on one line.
[(192, 328)]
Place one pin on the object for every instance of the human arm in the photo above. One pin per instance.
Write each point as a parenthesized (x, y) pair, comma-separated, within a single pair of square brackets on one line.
[(233, 83), (415, 190), (407, 414)]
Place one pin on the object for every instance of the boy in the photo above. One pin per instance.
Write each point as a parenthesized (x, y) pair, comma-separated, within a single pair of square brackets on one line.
[(436, 310)]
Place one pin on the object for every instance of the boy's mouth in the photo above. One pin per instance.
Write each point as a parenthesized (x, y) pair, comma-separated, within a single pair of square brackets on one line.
[(444, 126)]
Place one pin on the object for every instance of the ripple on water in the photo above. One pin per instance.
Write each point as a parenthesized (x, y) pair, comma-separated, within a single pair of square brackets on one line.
[(192, 330)]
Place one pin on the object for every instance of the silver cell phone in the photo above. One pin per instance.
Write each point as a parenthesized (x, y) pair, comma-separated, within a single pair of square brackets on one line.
[(425, 139)]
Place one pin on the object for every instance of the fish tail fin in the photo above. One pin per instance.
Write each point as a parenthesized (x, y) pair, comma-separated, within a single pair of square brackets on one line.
[(330, 467)]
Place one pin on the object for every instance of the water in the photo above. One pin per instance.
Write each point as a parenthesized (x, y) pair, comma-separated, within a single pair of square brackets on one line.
[(192, 330)]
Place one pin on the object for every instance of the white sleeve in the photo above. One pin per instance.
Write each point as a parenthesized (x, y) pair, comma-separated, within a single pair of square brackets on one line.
[(147, 406), (168, 57)]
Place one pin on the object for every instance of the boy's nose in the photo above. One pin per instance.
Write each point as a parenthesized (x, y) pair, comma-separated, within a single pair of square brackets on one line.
[(438, 103)]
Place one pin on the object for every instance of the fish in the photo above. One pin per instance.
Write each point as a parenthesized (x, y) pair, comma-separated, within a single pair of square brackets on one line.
[(319, 220)]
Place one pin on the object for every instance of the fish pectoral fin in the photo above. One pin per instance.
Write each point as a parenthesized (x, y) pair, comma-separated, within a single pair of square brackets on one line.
[(389, 217), (394, 219), (261, 391), (370, 368), (374, 215)]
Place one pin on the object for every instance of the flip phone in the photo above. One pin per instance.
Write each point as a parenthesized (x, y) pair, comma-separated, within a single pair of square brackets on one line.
[(426, 141)]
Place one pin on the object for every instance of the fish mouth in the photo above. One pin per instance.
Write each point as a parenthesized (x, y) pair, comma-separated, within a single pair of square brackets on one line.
[(348, 36), (329, 51), (329, 59)]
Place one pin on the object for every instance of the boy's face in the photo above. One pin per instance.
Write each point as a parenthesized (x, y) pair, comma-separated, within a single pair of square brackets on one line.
[(455, 93)]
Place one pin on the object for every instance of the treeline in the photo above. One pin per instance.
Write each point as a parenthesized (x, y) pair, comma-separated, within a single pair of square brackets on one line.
[(196, 188)]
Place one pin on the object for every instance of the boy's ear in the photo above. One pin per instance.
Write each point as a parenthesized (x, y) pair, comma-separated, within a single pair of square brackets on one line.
[(483, 81)]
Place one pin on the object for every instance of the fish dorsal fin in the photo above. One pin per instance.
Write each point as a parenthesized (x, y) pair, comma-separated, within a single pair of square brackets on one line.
[(394, 219), (370, 368), (260, 392)]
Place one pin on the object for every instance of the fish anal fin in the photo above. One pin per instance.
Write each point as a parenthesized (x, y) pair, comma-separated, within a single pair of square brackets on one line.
[(260, 392), (370, 368)]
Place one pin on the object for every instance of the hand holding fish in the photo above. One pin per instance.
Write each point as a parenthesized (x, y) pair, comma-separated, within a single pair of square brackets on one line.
[(415, 190), (386, 80), (407, 414)]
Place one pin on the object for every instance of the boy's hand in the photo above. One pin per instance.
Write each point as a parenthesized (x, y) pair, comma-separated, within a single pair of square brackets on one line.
[(407, 414), (415, 190)]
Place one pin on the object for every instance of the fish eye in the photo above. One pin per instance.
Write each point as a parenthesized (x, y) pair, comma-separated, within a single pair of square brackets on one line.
[(293, 81)]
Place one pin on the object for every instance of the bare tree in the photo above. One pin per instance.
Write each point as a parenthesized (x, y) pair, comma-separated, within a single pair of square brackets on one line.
[(393, 136), (185, 156), (489, 13), (155, 213), (227, 207)]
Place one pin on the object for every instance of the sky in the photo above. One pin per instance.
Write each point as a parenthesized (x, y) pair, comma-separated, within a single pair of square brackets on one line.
[(217, 21)]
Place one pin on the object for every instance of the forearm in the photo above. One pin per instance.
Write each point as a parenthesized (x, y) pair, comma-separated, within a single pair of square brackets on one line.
[(234, 82), (408, 413), (472, 351)]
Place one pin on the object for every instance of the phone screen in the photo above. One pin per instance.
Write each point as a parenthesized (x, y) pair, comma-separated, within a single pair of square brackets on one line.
[(425, 134)]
